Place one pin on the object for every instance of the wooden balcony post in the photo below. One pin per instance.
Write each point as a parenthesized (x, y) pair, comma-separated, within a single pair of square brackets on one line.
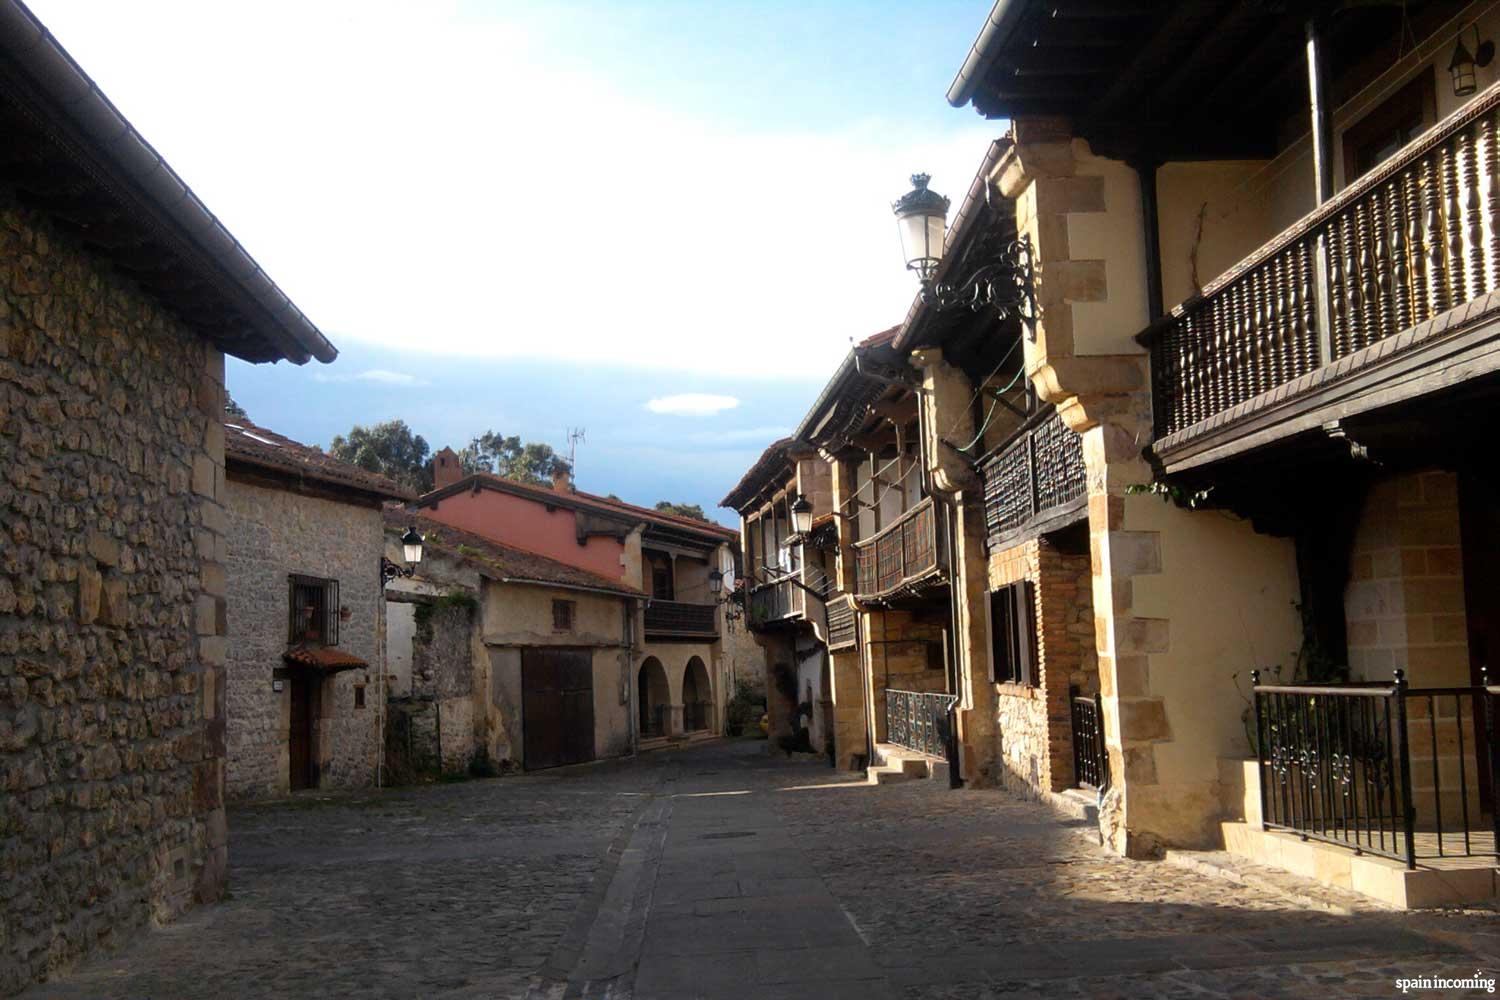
[(1322, 149)]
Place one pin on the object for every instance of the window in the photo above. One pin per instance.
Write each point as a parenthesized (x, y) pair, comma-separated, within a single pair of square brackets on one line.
[(1013, 634), (1380, 134), (313, 604), (661, 581), (562, 616), (359, 696)]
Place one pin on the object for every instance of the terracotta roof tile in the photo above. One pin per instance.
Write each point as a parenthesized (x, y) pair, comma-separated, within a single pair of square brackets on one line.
[(329, 659), (497, 560), (246, 443)]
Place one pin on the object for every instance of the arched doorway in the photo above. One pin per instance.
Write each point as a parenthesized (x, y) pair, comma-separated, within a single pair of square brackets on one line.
[(654, 698), (697, 697)]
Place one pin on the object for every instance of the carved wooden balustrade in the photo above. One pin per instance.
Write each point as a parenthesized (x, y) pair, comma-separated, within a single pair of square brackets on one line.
[(1036, 478), (775, 602), (907, 552), (1417, 236), (679, 618)]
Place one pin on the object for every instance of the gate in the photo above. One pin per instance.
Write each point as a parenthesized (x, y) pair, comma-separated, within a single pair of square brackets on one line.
[(557, 707)]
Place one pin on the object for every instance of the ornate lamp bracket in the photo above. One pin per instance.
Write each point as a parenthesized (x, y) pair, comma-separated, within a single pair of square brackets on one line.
[(1004, 283)]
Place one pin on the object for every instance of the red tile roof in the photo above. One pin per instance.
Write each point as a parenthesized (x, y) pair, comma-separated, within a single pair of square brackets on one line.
[(883, 337), (499, 561), (248, 444), (329, 659), (770, 461)]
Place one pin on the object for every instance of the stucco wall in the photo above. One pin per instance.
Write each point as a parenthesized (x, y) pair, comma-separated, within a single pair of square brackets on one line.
[(111, 606), (272, 534), (528, 524)]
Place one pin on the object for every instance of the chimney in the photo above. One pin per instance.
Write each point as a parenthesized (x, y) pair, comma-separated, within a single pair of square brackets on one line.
[(445, 469), (562, 481)]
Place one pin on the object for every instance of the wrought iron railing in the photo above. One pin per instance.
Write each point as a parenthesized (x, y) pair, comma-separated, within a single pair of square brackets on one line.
[(1090, 760), (775, 601), (1038, 474), (841, 623), (921, 721), (1383, 768), (681, 618), (908, 551), (696, 715), (1412, 239)]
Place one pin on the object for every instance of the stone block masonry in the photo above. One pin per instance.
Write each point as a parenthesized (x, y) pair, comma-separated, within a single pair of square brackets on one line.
[(111, 606)]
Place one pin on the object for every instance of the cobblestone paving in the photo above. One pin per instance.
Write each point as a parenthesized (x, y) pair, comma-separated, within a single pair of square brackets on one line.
[(719, 872)]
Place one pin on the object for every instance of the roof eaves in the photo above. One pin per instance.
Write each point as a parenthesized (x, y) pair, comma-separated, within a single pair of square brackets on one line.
[(998, 27)]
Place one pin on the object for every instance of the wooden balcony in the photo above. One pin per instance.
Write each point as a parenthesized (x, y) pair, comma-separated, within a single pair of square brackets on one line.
[(681, 620), (1036, 482), (776, 603), (1383, 294), (906, 556)]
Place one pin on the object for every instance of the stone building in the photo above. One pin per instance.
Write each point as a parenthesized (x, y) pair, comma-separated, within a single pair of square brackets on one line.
[(677, 678), (120, 294), (501, 658), (306, 629)]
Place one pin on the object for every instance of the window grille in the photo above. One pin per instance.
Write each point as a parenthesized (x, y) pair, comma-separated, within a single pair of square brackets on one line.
[(313, 611), (562, 616)]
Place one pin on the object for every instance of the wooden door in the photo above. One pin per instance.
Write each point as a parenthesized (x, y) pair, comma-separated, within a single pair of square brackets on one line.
[(304, 759), (557, 707)]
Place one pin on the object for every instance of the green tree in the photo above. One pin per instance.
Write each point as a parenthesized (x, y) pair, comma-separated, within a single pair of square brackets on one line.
[(692, 510), (509, 457), (390, 449), (233, 410)]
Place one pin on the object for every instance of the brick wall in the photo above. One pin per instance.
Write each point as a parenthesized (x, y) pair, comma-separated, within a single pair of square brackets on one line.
[(111, 606), (1033, 723)]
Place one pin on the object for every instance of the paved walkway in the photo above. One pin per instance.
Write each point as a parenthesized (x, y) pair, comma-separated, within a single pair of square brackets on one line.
[(719, 872)]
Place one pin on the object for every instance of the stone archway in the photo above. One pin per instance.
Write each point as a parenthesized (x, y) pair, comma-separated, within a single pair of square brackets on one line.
[(654, 698), (697, 697)]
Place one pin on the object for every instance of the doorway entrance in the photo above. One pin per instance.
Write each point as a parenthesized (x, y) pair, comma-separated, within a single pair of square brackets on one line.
[(557, 707), (302, 736)]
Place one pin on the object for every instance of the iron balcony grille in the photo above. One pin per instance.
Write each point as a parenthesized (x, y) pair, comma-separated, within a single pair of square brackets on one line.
[(908, 552), (1039, 476), (1090, 760), (681, 618), (1403, 244), (921, 721), (1385, 769)]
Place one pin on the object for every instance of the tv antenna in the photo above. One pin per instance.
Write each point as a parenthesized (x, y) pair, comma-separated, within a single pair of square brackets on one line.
[(575, 436)]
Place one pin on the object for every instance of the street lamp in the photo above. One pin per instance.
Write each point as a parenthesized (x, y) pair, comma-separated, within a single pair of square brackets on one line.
[(1001, 280), (802, 515), (715, 582), (411, 550), (1461, 66)]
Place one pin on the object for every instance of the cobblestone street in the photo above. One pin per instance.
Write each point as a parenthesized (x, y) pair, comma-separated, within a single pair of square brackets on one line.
[(719, 872)]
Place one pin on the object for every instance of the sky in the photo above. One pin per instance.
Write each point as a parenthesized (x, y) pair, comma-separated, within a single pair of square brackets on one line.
[(662, 222)]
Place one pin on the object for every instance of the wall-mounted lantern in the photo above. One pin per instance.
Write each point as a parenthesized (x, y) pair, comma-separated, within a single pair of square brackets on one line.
[(802, 515), (411, 550), (715, 582), (1461, 67)]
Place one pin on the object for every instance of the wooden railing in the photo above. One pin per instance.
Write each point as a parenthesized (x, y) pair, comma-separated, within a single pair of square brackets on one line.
[(900, 555), (1039, 474), (1412, 239), (775, 601), (681, 618)]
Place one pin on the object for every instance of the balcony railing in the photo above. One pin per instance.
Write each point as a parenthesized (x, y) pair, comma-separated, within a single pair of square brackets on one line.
[(1413, 239), (678, 618), (1382, 768), (1039, 476), (909, 551), (777, 601)]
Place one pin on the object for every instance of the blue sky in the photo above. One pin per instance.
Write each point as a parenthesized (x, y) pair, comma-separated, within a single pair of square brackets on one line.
[(529, 216)]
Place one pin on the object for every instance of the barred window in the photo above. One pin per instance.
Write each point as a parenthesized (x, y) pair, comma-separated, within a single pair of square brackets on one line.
[(313, 605), (1013, 634), (562, 616)]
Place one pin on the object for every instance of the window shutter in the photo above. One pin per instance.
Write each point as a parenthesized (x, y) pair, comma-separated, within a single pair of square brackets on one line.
[(1026, 666), (331, 613), (292, 594)]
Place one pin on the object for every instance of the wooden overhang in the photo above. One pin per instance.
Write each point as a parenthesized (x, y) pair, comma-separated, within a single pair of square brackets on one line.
[(1159, 80), (70, 154)]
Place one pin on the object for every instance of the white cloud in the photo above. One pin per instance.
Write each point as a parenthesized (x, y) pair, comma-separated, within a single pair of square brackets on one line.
[(692, 404), (379, 375), (483, 199)]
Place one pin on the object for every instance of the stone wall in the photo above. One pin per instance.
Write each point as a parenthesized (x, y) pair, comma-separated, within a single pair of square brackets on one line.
[(902, 650), (111, 606), (273, 533), (431, 727)]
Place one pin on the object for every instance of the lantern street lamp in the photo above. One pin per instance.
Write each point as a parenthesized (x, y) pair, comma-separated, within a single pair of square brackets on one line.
[(1461, 66), (411, 550), (802, 515), (715, 582), (999, 280)]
